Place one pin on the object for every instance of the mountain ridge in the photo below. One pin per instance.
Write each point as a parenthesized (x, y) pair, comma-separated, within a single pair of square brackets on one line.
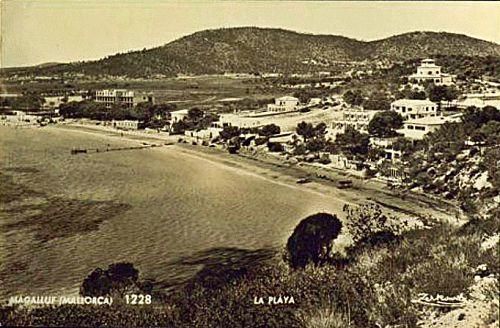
[(255, 49)]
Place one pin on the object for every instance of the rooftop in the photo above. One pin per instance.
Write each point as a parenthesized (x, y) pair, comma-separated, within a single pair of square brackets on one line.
[(421, 102), (435, 120), (180, 111), (288, 98)]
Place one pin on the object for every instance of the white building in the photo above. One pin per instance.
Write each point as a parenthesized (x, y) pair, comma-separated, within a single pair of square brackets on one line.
[(204, 135), (315, 101), (125, 124), (355, 118), (128, 98), (240, 121), (178, 115), (478, 100), (414, 108), (429, 71), (55, 101), (18, 117), (417, 128), (283, 104)]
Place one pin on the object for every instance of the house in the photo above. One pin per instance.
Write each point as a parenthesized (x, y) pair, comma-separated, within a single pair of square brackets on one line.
[(18, 117), (239, 120), (125, 124), (54, 101), (382, 142), (478, 100), (315, 101), (355, 118), (341, 162), (125, 97), (414, 108), (178, 115), (283, 104), (417, 128), (429, 71), (204, 135), (9, 95)]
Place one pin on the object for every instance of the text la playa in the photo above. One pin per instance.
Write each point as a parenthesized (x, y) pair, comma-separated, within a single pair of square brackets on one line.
[(58, 300), (274, 300)]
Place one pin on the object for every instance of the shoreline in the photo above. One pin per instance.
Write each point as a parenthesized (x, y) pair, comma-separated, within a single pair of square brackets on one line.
[(411, 204)]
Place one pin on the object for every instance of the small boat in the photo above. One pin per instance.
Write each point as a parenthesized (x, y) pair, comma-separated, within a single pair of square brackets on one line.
[(78, 151), (342, 184), (303, 180)]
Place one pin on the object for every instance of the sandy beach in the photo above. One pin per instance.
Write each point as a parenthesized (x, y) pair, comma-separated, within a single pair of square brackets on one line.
[(277, 172), (161, 208)]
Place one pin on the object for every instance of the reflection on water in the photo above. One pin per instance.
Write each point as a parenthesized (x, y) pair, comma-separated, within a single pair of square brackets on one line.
[(177, 207)]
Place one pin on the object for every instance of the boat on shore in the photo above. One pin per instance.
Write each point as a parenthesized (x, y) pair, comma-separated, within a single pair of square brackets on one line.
[(78, 151)]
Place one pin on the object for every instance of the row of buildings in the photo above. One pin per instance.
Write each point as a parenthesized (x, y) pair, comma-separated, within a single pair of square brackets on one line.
[(129, 98), (420, 117)]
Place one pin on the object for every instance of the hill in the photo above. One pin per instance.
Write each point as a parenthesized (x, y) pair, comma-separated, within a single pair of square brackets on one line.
[(252, 49)]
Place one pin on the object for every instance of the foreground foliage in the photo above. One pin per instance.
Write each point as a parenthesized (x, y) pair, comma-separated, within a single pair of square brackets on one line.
[(372, 286)]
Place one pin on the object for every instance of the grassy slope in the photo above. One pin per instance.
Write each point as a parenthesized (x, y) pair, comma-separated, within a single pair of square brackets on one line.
[(375, 287)]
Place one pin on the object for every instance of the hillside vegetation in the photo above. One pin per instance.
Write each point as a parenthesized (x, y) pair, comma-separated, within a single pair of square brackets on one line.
[(251, 49)]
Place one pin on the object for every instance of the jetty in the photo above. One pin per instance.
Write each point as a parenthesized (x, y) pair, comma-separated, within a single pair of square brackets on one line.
[(82, 150)]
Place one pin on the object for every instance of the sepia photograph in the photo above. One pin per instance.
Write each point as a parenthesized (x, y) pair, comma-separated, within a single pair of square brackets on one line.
[(220, 163)]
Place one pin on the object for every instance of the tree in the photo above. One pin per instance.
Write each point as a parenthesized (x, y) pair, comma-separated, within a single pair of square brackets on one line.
[(475, 117), (409, 93), (404, 145), (311, 241), (275, 147), (377, 101), (353, 142), (353, 98), (438, 93), (179, 127), (489, 133), (384, 124), (306, 130), (367, 223), (229, 132), (269, 130), (320, 129), (28, 102), (316, 144), (233, 145), (490, 161), (117, 278), (195, 114)]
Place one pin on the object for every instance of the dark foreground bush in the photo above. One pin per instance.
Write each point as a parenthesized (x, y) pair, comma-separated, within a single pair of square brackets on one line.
[(312, 239), (116, 278)]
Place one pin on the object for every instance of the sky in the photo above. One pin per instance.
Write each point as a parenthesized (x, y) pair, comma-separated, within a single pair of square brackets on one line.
[(42, 31)]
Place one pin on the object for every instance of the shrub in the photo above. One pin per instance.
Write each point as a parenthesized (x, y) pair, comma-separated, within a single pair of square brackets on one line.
[(275, 147), (311, 240), (368, 224), (116, 278), (325, 159), (260, 141), (324, 317)]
